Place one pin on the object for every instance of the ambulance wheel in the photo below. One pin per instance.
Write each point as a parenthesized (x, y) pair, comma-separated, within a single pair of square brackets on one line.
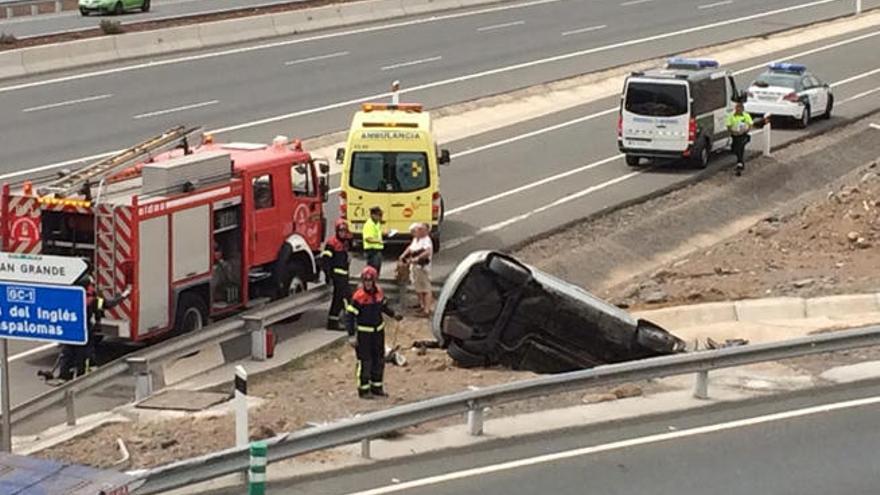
[(192, 313), (632, 161), (828, 107), (804, 121)]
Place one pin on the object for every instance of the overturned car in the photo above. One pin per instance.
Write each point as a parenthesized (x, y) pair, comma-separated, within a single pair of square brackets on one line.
[(494, 310)]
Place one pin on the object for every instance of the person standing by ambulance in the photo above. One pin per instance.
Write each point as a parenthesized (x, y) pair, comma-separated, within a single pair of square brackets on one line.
[(336, 265), (366, 333), (374, 246)]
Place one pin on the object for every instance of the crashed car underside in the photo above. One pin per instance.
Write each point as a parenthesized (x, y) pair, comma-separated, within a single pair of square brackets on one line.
[(494, 310)]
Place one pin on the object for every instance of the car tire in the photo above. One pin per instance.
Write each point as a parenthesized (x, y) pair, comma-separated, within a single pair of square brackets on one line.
[(805, 119), (145, 7), (700, 159), (632, 161), (828, 107), (435, 242), (464, 358), (191, 315), (118, 9), (84, 12), (509, 271)]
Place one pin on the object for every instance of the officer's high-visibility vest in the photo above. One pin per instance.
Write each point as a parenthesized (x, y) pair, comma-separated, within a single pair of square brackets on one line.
[(372, 230)]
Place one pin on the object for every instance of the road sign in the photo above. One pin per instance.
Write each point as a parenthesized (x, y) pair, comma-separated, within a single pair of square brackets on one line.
[(41, 312), (38, 269)]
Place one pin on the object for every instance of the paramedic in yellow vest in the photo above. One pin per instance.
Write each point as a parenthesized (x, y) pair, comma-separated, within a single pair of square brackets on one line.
[(739, 123), (372, 239)]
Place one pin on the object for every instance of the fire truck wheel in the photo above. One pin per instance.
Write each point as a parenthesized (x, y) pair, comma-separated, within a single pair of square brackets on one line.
[(191, 313)]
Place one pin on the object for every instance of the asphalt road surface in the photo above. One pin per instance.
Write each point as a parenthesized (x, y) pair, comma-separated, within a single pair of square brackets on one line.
[(29, 26), (556, 169), (817, 444), (310, 85)]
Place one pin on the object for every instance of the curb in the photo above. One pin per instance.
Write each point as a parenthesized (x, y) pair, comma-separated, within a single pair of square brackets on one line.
[(66, 55), (762, 310)]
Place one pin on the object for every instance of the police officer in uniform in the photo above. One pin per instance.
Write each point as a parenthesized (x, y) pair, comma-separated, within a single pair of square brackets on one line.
[(336, 265), (739, 123), (372, 239), (366, 332)]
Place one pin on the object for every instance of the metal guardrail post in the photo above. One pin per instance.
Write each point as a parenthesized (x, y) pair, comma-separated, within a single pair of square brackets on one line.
[(58, 6), (701, 390), (143, 387), (365, 448), (767, 142), (70, 406), (475, 419), (858, 7), (256, 327), (257, 471)]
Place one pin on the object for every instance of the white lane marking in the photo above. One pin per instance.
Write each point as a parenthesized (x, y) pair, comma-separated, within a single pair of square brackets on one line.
[(530, 185), (559, 202), (584, 30), (176, 109), (31, 352), (316, 58), (412, 62), (500, 26), (385, 95), (855, 77), (67, 103), (874, 126), (860, 95), (634, 2), (276, 44), (713, 5), (622, 444)]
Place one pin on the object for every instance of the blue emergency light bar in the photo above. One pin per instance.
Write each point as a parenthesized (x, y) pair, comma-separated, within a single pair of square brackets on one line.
[(788, 67), (691, 63)]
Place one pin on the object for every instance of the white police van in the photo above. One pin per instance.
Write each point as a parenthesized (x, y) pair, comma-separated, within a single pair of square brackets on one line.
[(789, 90), (678, 111)]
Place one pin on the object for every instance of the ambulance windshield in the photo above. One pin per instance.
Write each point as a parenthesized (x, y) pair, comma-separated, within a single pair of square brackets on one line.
[(389, 171)]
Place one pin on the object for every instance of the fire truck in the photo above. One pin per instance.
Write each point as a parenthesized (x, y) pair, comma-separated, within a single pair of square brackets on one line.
[(197, 232)]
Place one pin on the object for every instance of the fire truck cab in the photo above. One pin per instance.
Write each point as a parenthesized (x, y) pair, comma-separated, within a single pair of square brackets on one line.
[(197, 232)]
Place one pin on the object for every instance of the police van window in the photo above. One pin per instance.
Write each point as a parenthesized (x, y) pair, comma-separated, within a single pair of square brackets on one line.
[(656, 99), (709, 95), (389, 171), (263, 197), (301, 180)]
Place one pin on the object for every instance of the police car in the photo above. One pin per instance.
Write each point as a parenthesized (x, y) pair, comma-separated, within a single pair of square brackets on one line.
[(789, 90)]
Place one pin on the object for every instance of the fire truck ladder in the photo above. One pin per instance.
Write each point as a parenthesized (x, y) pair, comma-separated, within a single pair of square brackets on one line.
[(73, 183)]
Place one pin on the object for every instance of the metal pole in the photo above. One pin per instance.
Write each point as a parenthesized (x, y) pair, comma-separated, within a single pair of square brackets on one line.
[(475, 420), (365, 448), (701, 391), (143, 384), (6, 427), (70, 406), (767, 130), (858, 7), (257, 329), (241, 410), (395, 93)]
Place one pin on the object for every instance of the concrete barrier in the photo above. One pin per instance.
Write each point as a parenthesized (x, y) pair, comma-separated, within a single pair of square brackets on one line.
[(357, 12), (774, 308), (11, 64), (421, 6), (236, 30), (842, 306), (148, 43), (71, 54), (323, 17), (691, 316), (293, 22)]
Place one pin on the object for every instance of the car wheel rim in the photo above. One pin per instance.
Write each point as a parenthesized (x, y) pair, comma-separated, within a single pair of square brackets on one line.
[(297, 286)]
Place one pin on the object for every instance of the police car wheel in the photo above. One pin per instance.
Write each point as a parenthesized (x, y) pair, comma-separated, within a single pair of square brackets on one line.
[(632, 161), (828, 107), (804, 121)]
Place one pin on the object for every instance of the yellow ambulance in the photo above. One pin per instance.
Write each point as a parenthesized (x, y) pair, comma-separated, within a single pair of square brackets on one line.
[(391, 161)]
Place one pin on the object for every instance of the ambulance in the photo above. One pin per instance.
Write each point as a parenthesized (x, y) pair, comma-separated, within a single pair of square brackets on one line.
[(391, 161)]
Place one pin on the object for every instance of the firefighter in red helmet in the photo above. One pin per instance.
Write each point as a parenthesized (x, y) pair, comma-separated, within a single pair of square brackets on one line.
[(336, 264), (366, 332)]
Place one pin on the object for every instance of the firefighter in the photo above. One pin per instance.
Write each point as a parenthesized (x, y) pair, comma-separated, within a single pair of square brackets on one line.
[(336, 264), (75, 360), (366, 333)]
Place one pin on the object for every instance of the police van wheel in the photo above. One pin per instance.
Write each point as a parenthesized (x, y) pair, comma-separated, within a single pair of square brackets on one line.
[(700, 158), (632, 161), (828, 107), (804, 121)]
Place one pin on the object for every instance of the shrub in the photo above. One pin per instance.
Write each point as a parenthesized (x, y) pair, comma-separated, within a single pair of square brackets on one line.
[(111, 27)]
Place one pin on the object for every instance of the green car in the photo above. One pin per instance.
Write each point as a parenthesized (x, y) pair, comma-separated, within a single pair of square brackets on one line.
[(115, 6)]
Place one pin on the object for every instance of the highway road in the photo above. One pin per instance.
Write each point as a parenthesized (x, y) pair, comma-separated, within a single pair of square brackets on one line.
[(309, 85), (29, 26), (819, 443), (556, 169)]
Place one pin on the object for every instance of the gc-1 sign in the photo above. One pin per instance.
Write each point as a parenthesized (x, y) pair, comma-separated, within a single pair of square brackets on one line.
[(38, 269), (40, 312)]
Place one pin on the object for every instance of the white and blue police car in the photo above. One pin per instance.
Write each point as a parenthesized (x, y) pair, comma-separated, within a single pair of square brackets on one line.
[(789, 90)]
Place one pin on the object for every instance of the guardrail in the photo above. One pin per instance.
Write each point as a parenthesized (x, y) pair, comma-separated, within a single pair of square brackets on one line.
[(140, 362), (373, 425)]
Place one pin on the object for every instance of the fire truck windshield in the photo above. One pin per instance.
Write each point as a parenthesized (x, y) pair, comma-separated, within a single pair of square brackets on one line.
[(389, 171)]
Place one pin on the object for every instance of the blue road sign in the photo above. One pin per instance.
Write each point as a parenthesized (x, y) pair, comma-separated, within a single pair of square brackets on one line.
[(43, 312)]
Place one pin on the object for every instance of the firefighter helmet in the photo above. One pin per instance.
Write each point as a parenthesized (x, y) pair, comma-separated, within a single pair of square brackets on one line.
[(342, 229), (369, 273)]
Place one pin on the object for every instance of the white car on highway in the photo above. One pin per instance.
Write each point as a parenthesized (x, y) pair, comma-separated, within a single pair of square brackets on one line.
[(789, 90)]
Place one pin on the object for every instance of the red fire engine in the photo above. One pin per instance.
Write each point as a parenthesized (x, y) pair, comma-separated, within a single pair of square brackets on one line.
[(197, 232)]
